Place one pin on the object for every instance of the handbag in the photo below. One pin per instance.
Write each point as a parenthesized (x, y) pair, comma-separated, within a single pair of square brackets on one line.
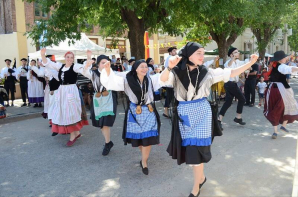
[(216, 129)]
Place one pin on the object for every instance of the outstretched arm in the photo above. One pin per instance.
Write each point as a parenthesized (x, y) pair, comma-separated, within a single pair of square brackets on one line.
[(237, 71)]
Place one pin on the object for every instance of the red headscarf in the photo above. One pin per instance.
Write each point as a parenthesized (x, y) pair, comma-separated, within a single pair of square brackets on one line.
[(68, 52)]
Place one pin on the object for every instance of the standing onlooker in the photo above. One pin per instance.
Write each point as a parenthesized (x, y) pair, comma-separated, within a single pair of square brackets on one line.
[(261, 86), (8, 73), (22, 77), (250, 85), (125, 63), (130, 63), (169, 90), (113, 60)]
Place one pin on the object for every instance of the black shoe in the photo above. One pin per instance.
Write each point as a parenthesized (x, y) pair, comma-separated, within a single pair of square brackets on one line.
[(50, 125), (251, 105), (239, 121), (144, 170), (12, 105), (220, 125), (165, 115), (35, 105), (39, 105), (246, 104), (7, 105), (191, 195), (54, 134), (107, 148), (29, 104), (24, 105), (201, 185)]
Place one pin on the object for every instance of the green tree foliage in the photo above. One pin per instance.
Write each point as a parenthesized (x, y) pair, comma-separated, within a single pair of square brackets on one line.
[(224, 20), (130, 18), (265, 19), (291, 20)]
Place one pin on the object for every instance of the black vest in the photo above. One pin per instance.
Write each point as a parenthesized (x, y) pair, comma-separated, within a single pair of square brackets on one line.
[(54, 84), (70, 76), (276, 76)]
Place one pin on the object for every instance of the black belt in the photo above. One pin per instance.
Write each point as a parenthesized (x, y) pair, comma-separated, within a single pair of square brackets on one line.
[(232, 81)]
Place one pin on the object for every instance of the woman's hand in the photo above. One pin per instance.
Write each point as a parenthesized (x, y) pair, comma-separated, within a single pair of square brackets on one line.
[(43, 52), (89, 54), (254, 58), (173, 61), (107, 66)]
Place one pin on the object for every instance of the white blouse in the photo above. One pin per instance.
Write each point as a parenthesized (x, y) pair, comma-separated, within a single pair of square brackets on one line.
[(87, 72), (285, 69), (213, 76), (78, 68), (117, 81)]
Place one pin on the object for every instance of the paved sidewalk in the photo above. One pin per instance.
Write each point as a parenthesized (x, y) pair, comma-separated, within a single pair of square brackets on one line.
[(246, 161)]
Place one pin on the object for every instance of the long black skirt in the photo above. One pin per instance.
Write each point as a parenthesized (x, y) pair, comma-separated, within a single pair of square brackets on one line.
[(105, 120), (192, 155)]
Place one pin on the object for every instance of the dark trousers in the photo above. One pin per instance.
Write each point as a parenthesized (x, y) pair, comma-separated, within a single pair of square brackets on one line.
[(170, 94), (249, 89), (9, 86), (24, 88), (232, 90)]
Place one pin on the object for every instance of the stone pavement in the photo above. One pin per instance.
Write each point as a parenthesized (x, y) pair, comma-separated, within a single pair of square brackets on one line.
[(246, 161)]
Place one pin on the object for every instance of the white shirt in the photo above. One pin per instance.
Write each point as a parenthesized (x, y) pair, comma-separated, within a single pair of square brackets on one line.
[(235, 64), (22, 72), (4, 72), (167, 61), (262, 86)]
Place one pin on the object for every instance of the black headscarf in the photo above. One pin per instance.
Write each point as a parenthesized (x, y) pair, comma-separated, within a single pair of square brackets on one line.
[(149, 65), (181, 70), (101, 57), (133, 81)]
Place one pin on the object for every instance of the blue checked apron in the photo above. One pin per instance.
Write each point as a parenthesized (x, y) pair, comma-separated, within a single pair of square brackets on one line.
[(140, 126), (195, 121)]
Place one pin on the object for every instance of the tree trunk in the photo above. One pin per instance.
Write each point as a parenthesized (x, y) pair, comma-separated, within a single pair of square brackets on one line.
[(136, 32), (262, 53), (137, 47), (223, 49), (263, 37)]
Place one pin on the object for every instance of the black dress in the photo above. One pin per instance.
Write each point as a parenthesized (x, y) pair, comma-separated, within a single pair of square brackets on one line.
[(104, 120)]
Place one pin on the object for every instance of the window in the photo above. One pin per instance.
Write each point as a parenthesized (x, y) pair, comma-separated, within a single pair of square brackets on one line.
[(38, 11)]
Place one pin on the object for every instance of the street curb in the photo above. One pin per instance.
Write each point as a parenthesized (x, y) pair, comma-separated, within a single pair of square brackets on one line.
[(295, 182), (20, 117)]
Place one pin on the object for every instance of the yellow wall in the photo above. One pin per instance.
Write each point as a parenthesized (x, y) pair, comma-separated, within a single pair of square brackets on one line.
[(9, 48), (21, 29)]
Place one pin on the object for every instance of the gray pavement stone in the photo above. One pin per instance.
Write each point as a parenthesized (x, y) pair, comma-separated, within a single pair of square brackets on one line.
[(246, 161)]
